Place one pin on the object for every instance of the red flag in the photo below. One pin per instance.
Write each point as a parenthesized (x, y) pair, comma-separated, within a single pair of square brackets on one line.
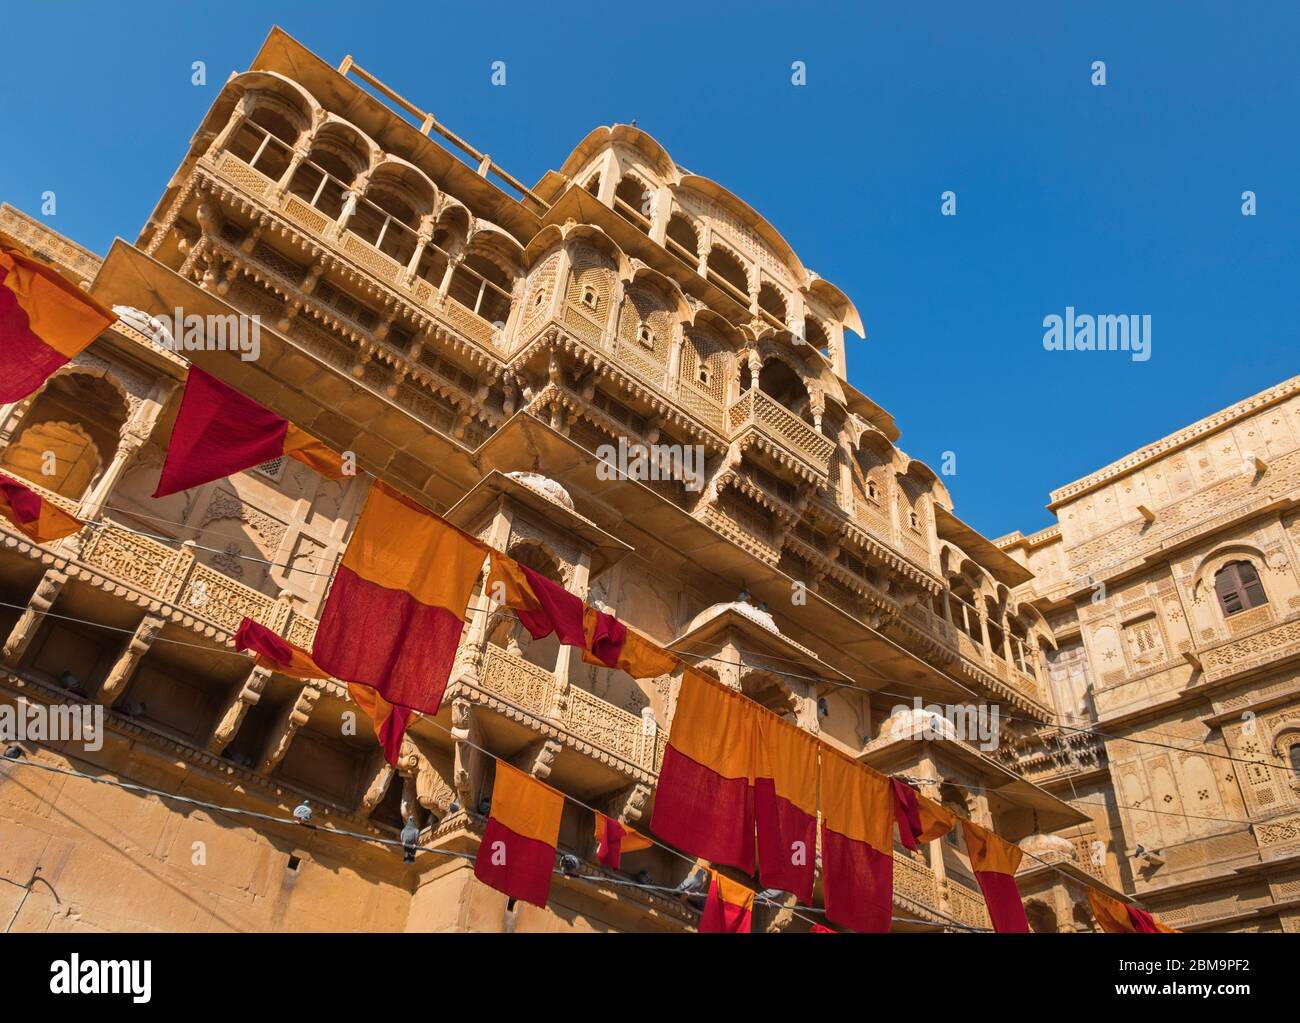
[(396, 609), (388, 720), (729, 908), (517, 852), (45, 321), (34, 516), (275, 652), (604, 636), (613, 839), (559, 611), (704, 803), (857, 844), (995, 862), (823, 929), (220, 432), (785, 806)]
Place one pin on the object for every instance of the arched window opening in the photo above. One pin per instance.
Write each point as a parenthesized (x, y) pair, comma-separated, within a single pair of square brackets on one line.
[(782, 383), (772, 304), (482, 287), (815, 334), (1238, 587), (634, 201), (593, 184), (726, 271), (1294, 756), (68, 435), (388, 221), (682, 240), (265, 141)]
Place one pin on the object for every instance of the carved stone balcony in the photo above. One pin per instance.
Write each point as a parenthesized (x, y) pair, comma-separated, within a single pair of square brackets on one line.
[(1239, 655), (919, 891), (759, 421), (533, 696), (421, 294)]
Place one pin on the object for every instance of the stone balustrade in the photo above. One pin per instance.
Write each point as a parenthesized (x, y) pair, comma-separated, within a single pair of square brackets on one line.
[(760, 418)]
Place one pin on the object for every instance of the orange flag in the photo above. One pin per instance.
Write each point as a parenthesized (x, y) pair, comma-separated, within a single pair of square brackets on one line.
[(45, 320), (785, 805), (34, 516), (1116, 917), (517, 852), (396, 608)]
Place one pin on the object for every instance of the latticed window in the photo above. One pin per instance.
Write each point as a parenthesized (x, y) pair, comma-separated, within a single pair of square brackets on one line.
[(1238, 587)]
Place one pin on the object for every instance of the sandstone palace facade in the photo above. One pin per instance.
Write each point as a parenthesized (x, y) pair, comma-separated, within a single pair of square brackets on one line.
[(475, 342)]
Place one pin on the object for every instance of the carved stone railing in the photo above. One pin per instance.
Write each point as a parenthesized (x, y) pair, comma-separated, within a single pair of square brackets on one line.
[(757, 416), (916, 886), (588, 722), (174, 576), (1248, 652)]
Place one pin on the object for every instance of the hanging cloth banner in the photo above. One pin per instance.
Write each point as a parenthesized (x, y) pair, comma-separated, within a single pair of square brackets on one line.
[(613, 839), (45, 322), (34, 516), (995, 862), (517, 852), (395, 611), (220, 432), (729, 908), (857, 844), (785, 806), (704, 803)]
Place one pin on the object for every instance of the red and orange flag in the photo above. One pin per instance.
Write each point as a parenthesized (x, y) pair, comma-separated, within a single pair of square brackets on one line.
[(517, 852), (611, 644), (729, 908), (857, 844), (34, 516), (1116, 917), (276, 653), (704, 803), (45, 320), (919, 819), (219, 432), (785, 805), (395, 611), (613, 839), (995, 862)]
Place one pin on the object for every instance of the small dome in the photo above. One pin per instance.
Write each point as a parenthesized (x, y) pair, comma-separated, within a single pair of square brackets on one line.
[(1049, 847), (545, 486), (914, 722), (762, 618)]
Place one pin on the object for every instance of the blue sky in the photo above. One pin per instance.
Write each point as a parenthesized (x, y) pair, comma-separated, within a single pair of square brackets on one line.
[(1124, 198)]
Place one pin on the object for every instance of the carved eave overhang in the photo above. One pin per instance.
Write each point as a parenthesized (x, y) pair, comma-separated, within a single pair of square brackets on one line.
[(996, 689), (824, 567), (737, 479), (751, 438), (1006, 790), (511, 729), (336, 266), (553, 339), (669, 536), (757, 640), (872, 549), (605, 549), (276, 791), (982, 551), (1035, 876)]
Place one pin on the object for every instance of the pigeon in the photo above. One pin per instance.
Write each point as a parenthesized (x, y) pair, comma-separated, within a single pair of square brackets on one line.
[(410, 836), (13, 753), (72, 684), (133, 709), (569, 865), (242, 759), (644, 876), (302, 813), (484, 806)]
